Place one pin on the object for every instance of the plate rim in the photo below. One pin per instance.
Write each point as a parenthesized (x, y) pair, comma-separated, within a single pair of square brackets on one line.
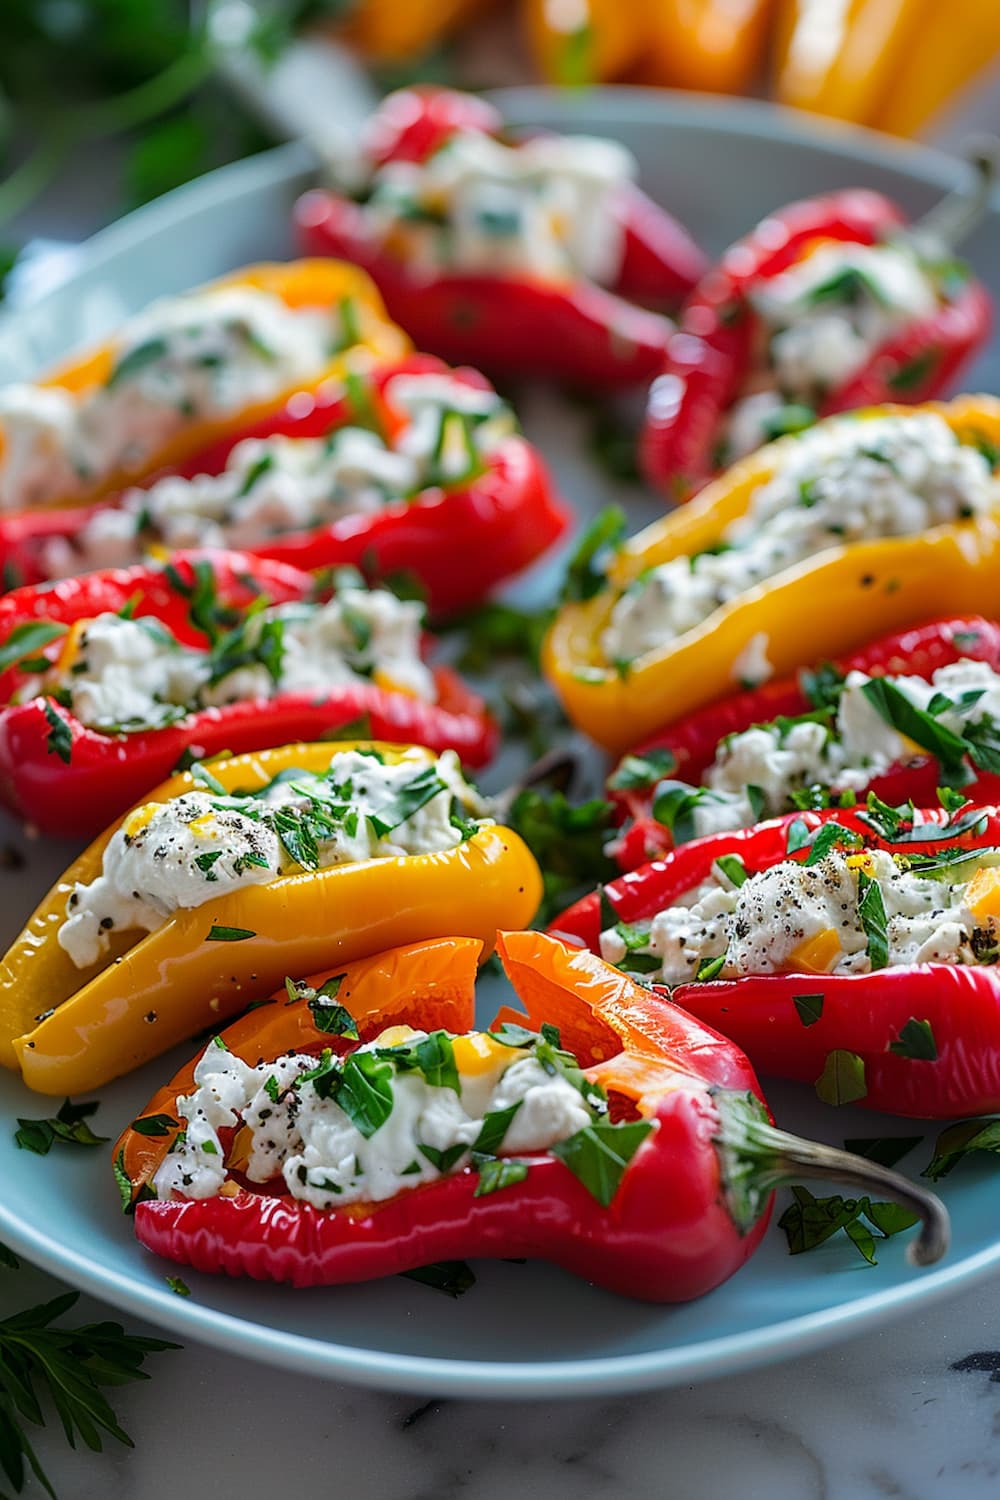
[(578, 1375)]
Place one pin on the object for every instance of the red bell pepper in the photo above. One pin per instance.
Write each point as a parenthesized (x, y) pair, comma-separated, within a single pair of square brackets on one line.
[(458, 543), (69, 780), (693, 742), (862, 1016), (716, 349), (509, 324), (691, 1202)]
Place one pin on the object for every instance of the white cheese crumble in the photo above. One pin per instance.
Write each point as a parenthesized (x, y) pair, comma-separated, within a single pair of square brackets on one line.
[(129, 674), (846, 480), (295, 1130), (274, 485), (183, 360), (181, 854), (847, 754), (543, 208), (760, 926)]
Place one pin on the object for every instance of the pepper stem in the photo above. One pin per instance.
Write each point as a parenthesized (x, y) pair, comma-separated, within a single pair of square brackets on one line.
[(757, 1157), (954, 218)]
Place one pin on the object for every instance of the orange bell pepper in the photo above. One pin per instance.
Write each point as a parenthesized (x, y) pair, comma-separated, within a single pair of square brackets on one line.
[(820, 608), (397, 31), (591, 42), (714, 46), (844, 57), (953, 44), (300, 284), (70, 1030)]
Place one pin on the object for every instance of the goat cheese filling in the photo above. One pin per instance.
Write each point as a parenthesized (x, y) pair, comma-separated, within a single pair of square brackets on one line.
[(822, 758), (275, 485), (200, 846), (546, 207), (847, 480), (121, 674), (821, 321), (847, 913), (404, 1109), (183, 360)]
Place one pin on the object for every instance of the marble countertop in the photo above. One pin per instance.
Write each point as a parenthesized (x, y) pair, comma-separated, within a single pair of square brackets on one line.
[(910, 1412)]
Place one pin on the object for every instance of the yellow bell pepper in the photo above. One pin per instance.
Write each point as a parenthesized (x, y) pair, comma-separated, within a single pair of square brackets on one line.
[(843, 57), (300, 284), (952, 44), (714, 46), (822, 607), (71, 1030)]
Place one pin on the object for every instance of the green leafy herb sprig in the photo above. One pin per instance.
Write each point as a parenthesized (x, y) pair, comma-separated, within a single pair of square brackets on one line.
[(43, 1362)]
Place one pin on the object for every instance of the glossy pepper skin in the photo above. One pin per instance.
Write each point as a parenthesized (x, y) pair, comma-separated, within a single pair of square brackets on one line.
[(864, 1014), (822, 608), (157, 989), (571, 330), (693, 742), (98, 775), (675, 1228), (458, 543), (712, 351), (314, 283)]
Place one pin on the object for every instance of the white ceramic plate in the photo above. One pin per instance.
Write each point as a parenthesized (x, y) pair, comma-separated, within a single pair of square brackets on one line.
[(522, 1329)]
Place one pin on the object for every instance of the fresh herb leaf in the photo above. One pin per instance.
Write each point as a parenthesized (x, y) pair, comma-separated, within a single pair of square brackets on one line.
[(710, 968), (757, 798), (217, 934), (28, 639), (809, 1222), (146, 353), (894, 707), (328, 1016), (568, 842), (585, 575), (638, 772), (496, 1173), (915, 372), (59, 740), (435, 1057), (154, 1125), (809, 1007), (409, 799), (453, 1277), (501, 630), (365, 1091), (493, 1129), (675, 804), (509, 1034), (871, 915), (824, 686), (784, 420), (959, 1141), (732, 866), (889, 822), (886, 1150), (598, 1155), (832, 836), (916, 1041), (842, 1080), (179, 1287), (442, 1161), (69, 1128)]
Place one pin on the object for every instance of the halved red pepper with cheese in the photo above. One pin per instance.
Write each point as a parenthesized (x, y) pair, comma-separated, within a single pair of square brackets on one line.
[(68, 777), (551, 313), (457, 538), (915, 1039), (347, 328), (687, 750), (722, 391), (688, 1157)]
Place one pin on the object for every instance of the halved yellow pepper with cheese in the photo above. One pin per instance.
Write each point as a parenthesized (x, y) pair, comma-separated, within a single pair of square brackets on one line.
[(823, 606), (301, 284), (71, 1030)]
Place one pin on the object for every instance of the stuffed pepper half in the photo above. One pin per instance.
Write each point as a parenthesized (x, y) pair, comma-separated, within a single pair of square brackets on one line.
[(203, 898), (409, 468), (803, 551), (358, 1126), (525, 258), (829, 305), (908, 714), (855, 949), (109, 680), (183, 373)]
